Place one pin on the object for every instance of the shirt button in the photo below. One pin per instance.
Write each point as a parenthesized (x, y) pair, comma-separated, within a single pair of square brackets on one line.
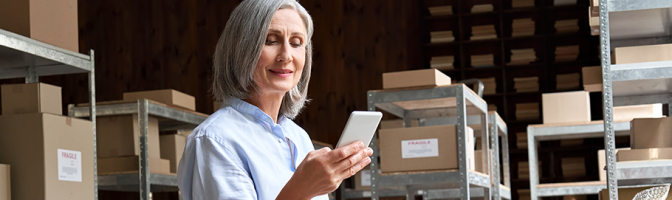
[(279, 140)]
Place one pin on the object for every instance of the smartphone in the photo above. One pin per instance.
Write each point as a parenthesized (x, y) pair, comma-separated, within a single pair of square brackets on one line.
[(361, 126)]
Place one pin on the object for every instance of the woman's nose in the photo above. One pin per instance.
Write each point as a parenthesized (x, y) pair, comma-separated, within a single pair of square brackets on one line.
[(284, 55)]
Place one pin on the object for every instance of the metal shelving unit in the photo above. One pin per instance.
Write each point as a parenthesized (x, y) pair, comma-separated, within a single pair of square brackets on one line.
[(169, 119), (22, 57), (456, 101), (638, 23)]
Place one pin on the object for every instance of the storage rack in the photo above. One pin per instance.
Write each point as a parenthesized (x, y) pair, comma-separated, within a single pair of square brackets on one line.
[(22, 57), (631, 84), (170, 119), (499, 127), (447, 101)]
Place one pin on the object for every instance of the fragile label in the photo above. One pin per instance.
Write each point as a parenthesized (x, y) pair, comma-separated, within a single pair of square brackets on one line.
[(420, 148), (366, 177), (69, 165)]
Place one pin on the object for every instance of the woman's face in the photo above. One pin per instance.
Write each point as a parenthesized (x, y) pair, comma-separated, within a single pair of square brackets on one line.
[(284, 54)]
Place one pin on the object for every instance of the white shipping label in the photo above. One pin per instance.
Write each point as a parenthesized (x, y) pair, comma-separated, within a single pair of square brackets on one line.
[(366, 177), (420, 148), (69, 165)]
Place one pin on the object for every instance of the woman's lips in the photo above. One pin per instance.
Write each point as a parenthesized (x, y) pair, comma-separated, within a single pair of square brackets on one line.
[(281, 72)]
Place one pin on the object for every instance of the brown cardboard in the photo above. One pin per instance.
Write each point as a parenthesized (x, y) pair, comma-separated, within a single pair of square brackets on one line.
[(644, 154), (627, 193), (628, 113), (31, 98), (5, 182), (172, 147), (573, 167), (130, 164), (396, 123), (478, 161), (648, 133), (391, 155), (592, 78), (120, 136), (363, 185), (32, 151), (415, 78), (646, 53), (50, 21), (167, 96), (601, 162), (566, 107)]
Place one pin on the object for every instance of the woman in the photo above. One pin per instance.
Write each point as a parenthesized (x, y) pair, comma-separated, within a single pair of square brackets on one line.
[(250, 148)]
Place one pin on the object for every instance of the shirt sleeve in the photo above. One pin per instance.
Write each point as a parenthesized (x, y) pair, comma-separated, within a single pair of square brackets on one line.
[(211, 171)]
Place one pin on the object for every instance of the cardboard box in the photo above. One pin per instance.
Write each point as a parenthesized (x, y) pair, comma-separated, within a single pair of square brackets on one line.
[(5, 182), (646, 53), (628, 113), (51, 156), (168, 96), (53, 22), (172, 147), (422, 148), (478, 161), (601, 162), (644, 154), (120, 136), (396, 123), (627, 193), (131, 164), (566, 107), (31, 98), (592, 78), (573, 167), (648, 133), (415, 78)]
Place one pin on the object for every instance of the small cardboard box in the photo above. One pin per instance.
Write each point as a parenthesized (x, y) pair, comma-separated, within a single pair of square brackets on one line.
[(53, 22), (592, 78), (120, 136), (628, 113), (167, 96), (172, 147), (5, 182), (566, 107), (601, 162), (51, 156), (31, 98), (131, 164), (573, 167), (363, 179), (422, 148), (478, 161), (627, 193), (415, 78), (645, 53), (648, 133), (644, 154)]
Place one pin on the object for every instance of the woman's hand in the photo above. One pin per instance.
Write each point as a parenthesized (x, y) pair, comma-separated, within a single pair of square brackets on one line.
[(323, 170)]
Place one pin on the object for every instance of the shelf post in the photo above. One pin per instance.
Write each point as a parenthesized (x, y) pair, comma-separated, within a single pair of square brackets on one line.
[(143, 119), (532, 163), (31, 74), (462, 142), (607, 97), (92, 114), (373, 167)]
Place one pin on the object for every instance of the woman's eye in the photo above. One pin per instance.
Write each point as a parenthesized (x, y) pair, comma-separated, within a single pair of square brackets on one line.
[(271, 42), (296, 44)]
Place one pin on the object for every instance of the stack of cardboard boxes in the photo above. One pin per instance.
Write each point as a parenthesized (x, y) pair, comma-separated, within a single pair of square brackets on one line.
[(440, 10), (489, 85), (566, 53), (482, 60), (522, 3), (51, 22), (522, 56), (441, 36), (522, 27), (51, 155), (442, 62), (567, 26), (527, 111), (483, 32), (650, 139), (526, 84), (481, 8), (568, 81)]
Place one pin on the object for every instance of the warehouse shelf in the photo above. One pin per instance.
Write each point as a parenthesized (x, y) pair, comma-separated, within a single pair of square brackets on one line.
[(644, 172), (384, 192), (639, 79), (505, 193), (23, 57), (456, 102), (170, 118), (576, 188)]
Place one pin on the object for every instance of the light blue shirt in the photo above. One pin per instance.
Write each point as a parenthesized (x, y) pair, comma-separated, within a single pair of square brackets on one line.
[(240, 153)]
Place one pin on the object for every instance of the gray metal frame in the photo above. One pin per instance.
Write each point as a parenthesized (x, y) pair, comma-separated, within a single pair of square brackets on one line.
[(22, 57), (437, 180), (145, 182)]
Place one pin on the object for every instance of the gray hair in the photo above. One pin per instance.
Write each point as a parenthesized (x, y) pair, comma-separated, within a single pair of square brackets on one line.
[(239, 49)]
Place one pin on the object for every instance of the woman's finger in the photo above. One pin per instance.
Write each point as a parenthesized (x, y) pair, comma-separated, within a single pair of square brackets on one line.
[(342, 153)]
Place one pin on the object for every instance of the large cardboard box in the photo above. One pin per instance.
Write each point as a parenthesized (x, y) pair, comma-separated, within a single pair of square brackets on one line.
[(414, 78), (627, 193), (131, 164), (644, 154), (120, 136), (645, 53), (592, 78), (648, 133), (5, 182), (363, 178), (51, 156), (167, 96), (396, 123), (172, 147), (566, 107), (31, 98), (422, 148), (50, 21), (601, 162), (628, 113)]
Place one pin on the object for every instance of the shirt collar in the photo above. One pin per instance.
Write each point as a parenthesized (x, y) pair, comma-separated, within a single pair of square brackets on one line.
[(247, 108)]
